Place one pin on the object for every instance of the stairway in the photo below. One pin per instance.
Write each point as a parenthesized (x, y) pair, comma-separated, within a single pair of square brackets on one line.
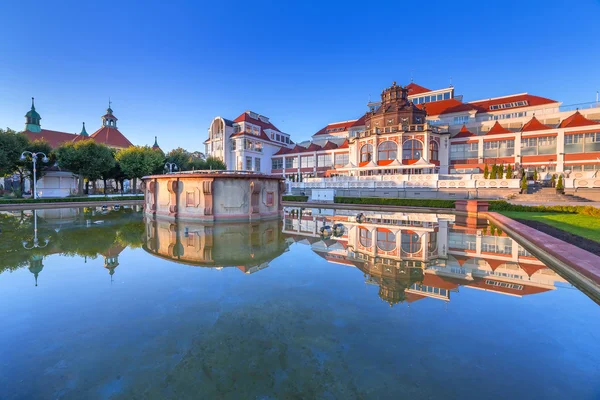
[(538, 194)]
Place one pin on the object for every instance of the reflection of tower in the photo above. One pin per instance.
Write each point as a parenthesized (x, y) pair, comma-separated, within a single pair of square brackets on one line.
[(36, 266), (111, 259)]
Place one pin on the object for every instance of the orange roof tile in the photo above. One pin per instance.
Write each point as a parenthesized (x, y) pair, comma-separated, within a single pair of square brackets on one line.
[(448, 106), (464, 132), (534, 125), (576, 120), (497, 129), (530, 99), (245, 117), (413, 89), (329, 146), (54, 138), (111, 137), (343, 126)]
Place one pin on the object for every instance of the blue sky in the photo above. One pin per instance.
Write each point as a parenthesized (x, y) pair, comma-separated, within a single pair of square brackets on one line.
[(170, 67)]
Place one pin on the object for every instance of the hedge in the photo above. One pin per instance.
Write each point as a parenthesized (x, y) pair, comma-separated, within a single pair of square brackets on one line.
[(301, 199), (431, 203), (495, 205), (69, 200), (584, 210)]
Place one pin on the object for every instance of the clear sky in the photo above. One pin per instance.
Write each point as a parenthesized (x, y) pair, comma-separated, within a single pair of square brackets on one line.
[(170, 67)]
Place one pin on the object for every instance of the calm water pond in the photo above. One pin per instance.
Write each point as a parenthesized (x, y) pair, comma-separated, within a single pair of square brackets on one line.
[(108, 304)]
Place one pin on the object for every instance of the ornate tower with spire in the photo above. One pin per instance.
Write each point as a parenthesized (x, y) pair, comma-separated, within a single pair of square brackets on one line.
[(156, 146), (108, 119), (32, 119), (83, 131)]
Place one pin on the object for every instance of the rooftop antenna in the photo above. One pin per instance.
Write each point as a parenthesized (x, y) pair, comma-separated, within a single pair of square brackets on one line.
[(451, 82), (411, 76), (596, 96)]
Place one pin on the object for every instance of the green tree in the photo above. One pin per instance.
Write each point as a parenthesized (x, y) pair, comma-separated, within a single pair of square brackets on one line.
[(12, 144), (560, 185), (139, 161), (181, 157), (553, 180), (215, 164), (500, 171), (524, 184), (115, 173), (486, 172), (494, 174), (87, 158), (535, 174), (509, 172)]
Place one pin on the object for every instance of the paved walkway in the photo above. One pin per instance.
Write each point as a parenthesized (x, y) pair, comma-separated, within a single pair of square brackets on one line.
[(581, 266)]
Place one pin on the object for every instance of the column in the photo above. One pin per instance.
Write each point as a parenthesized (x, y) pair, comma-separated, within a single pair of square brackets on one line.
[(560, 151)]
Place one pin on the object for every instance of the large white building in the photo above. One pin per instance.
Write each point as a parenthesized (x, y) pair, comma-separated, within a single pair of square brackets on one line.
[(417, 131), (246, 143)]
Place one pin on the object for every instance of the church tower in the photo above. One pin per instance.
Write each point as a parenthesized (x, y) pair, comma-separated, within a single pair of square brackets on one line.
[(108, 119), (83, 131), (32, 119)]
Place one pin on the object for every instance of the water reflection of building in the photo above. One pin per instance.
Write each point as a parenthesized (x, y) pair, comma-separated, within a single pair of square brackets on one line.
[(414, 256), (247, 246)]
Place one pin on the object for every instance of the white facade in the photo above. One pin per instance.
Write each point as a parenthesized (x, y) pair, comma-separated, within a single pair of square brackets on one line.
[(247, 143)]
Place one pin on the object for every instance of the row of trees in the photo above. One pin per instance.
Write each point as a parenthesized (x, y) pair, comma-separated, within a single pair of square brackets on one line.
[(93, 161), (498, 171)]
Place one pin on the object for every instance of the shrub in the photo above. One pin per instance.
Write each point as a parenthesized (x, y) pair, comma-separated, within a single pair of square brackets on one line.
[(486, 172), (69, 200), (295, 198), (431, 203), (535, 174), (524, 184), (560, 185), (509, 172)]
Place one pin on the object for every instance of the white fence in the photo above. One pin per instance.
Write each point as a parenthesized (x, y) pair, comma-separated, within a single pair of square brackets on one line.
[(426, 182)]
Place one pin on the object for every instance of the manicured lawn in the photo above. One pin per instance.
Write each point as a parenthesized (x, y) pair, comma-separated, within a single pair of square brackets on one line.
[(577, 224)]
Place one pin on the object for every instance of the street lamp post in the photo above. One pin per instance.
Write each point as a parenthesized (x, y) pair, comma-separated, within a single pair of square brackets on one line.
[(36, 243), (34, 157), (171, 166)]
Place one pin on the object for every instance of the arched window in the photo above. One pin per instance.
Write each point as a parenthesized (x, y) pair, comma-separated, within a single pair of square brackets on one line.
[(366, 153), (387, 150), (412, 149), (433, 241), (410, 241), (386, 240), (365, 237), (434, 153)]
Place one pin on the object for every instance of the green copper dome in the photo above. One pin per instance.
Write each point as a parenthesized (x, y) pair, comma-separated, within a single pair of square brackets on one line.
[(32, 113), (32, 119), (83, 131)]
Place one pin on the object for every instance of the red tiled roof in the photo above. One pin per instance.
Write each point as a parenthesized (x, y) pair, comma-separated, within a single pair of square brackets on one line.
[(413, 89), (531, 101), (481, 283), (534, 125), (344, 145), (448, 106), (313, 147), (345, 125), (54, 138), (262, 135), (282, 151), (497, 129), (329, 146), (111, 137), (576, 120), (359, 122), (464, 133), (245, 117), (531, 269)]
